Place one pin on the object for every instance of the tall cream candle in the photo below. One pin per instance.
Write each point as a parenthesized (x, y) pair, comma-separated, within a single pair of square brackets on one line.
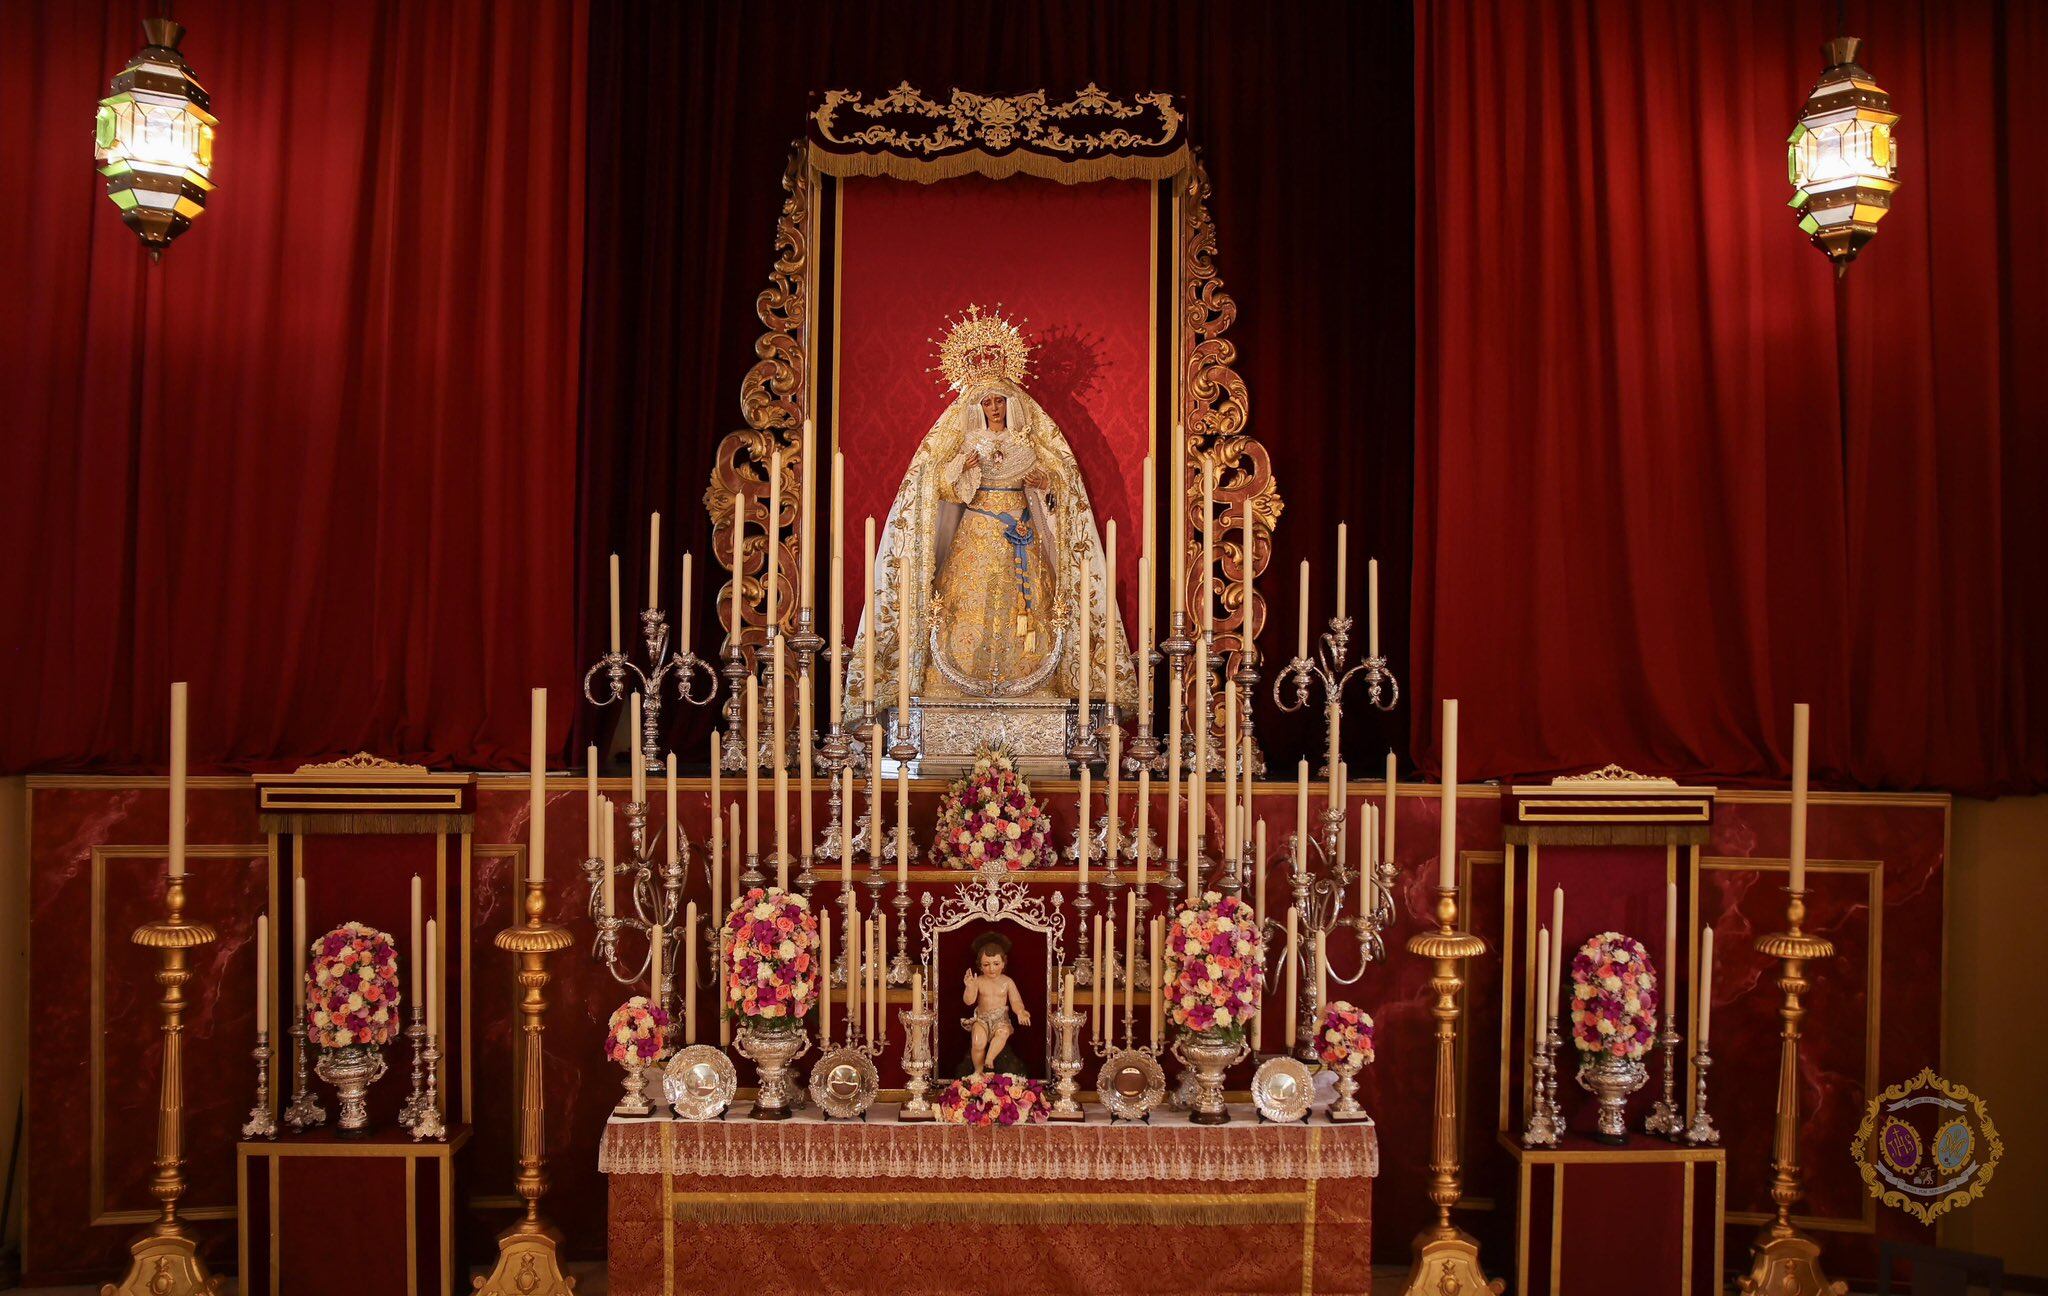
[(902, 642), (417, 950), (1543, 975), (1670, 951), (263, 972), (1343, 564), (1366, 842), (875, 850), (1148, 598), (1293, 971), (1387, 814), (808, 567), (433, 978), (1372, 607), (1259, 872), (655, 951), (1114, 777), (1230, 839), (633, 760), (867, 641), (675, 828), (846, 828), (1084, 800), (804, 728), (1198, 804), (615, 602), (1144, 838), (772, 572), (175, 864), (1130, 965), (1247, 632), (1158, 994), (1177, 551), (1705, 989), (733, 844), (753, 758), (1447, 839), (683, 617), (1096, 996), (654, 560), (537, 788), (902, 824), (1322, 970), (690, 970), (608, 849), (1208, 550), (778, 701), (1559, 946), (1109, 615), (837, 697), (825, 979), (301, 938), (852, 955), (1800, 724), (717, 811), (1084, 661), (739, 573), (1301, 615), (1301, 816), (1174, 759), (590, 799)]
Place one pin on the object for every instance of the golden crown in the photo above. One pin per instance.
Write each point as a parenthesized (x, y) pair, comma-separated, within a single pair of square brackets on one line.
[(981, 346)]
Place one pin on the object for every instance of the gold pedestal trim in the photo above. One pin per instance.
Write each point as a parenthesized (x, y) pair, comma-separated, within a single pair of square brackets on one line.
[(165, 1265), (529, 1264), (1447, 1266), (1787, 1265)]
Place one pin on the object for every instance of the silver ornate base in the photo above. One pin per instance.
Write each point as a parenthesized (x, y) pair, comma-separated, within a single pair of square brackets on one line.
[(1035, 730)]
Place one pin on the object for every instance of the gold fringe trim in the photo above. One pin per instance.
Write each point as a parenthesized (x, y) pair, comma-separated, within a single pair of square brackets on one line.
[(980, 1207), (1614, 834), (312, 825), (1001, 166)]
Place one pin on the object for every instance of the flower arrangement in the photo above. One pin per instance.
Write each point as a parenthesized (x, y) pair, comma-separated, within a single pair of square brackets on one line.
[(996, 1099), (1614, 997), (771, 956), (1344, 1033), (989, 815), (637, 1033), (352, 988), (1215, 964)]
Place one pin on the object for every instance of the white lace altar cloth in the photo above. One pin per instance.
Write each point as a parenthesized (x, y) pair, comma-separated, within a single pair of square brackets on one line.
[(808, 1146)]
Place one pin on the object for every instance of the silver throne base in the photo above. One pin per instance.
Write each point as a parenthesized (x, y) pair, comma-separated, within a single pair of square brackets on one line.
[(948, 732)]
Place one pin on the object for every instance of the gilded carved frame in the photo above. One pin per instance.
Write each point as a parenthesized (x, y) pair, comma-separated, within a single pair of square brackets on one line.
[(1091, 136)]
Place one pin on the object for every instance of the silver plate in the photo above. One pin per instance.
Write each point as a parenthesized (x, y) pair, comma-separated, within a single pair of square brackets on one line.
[(1130, 1084), (843, 1083), (1282, 1088), (699, 1082)]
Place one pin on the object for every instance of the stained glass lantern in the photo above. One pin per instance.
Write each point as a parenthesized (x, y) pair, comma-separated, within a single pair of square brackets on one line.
[(1843, 156), (154, 140)]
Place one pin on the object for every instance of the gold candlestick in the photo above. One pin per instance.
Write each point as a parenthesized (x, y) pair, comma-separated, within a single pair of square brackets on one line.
[(165, 1260), (1446, 1257), (529, 1263), (1783, 1260)]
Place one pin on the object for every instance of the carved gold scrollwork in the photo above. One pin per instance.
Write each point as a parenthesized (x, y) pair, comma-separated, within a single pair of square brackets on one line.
[(1092, 136), (772, 399)]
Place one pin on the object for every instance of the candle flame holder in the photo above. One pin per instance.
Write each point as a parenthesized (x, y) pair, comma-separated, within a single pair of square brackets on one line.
[(662, 668)]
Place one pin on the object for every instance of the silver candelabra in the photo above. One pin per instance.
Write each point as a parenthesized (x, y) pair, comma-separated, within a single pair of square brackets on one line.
[(1382, 690), (685, 667), (653, 885)]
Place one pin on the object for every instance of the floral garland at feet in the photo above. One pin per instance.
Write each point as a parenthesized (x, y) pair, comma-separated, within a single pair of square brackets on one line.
[(1000, 1099), (989, 815)]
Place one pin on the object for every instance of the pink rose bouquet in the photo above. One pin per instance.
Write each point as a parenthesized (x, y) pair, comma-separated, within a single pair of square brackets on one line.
[(352, 988), (994, 1100), (1215, 964), (1344, 1033), (1614, 997), (990, 815), (771, 957), (637, 1033)]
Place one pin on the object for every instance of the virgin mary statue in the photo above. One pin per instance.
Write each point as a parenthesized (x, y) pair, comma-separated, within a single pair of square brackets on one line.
[(994, 524)]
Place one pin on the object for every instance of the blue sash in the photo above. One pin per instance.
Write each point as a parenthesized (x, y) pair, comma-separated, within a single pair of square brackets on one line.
[(1020, 533)]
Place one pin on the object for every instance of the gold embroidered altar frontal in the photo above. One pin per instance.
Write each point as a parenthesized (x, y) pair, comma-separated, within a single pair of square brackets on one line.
[(806, 1205)]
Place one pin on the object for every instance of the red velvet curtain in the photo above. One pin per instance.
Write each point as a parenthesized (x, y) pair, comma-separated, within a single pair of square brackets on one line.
[(1671, 476), (1302, 112), (319, 461)]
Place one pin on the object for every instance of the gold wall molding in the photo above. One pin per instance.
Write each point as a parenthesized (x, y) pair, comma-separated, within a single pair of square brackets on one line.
[(1092, 135)]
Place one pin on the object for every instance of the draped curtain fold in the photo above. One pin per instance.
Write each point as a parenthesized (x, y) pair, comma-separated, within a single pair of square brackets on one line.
[(1673, 477), (319, 461)]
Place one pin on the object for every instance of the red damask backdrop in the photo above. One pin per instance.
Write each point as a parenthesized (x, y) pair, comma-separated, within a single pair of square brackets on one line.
[(1071, 263)]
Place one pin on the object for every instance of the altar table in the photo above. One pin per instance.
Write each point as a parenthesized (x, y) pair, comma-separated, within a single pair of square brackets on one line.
[(808, 1205)]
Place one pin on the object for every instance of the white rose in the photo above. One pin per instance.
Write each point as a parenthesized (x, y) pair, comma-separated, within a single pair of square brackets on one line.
[(786, 950)]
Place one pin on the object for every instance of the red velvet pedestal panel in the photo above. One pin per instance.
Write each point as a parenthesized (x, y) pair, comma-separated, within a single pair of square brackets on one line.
[(1640, 1220), (328, 1216)]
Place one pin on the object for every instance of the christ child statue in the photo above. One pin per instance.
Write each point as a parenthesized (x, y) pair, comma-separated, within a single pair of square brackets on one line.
[(994, 997)]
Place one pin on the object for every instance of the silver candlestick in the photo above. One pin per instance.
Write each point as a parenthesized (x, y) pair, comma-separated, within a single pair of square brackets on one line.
[(305, 1110), (427, 1124), (653, 884), (1667, 1117), (1084, 963), (899, 967), (1066, 1062), (1701, 1131), (1545, 1127), (1142, 751), (685, 667), (262, 1122), (917, 1061), (1382, 690), (1179, 650), (417, 1033)]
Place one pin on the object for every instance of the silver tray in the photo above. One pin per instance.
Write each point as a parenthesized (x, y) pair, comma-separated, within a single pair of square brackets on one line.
[(1282, 1089), (843, 1083), (699, 1083), (1130, 1084)]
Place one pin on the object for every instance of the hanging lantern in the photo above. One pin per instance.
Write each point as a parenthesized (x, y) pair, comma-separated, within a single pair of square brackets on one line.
[(154, 140), (1843, 156)]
